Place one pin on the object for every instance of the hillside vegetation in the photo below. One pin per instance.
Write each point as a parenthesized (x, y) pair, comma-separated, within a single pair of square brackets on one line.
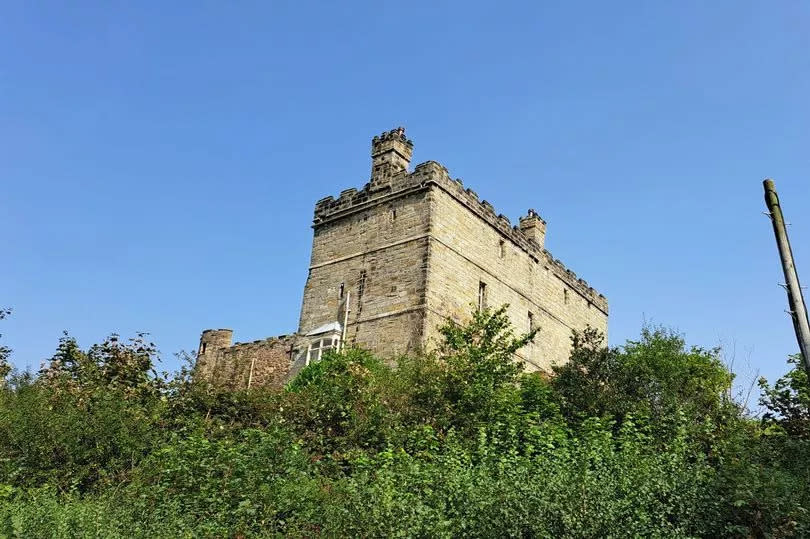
[(639, 440)]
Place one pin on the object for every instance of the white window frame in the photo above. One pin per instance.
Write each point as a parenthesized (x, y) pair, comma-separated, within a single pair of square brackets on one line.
[(320, 345)]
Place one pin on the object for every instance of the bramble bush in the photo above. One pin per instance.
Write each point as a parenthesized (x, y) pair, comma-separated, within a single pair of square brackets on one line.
[(639, 440)]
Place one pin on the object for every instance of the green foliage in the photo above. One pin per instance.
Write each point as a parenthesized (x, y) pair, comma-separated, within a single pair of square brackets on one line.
[(640, 440), (340, 403), (656, 378), (5, 351), (88, 418), (788, 401), (470, 383)]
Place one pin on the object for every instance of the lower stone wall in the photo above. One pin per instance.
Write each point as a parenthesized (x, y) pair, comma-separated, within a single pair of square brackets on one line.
[(270, 360)]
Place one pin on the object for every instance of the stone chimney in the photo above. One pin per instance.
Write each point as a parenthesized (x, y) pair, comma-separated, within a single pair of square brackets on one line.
[(534, 228), (390, 153)]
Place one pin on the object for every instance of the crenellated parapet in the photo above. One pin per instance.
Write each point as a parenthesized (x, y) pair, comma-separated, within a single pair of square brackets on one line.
[(264, 362), (528, 235), (269, 341), (351, 200), (522, 236)]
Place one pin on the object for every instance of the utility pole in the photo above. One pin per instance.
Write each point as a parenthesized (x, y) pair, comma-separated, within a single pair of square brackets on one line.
[(798, 310)]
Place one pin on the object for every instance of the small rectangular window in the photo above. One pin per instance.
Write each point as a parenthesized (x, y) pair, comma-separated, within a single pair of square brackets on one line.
[(342, 288), (482, 295), (502, 248), (531, 321), (565, 296)]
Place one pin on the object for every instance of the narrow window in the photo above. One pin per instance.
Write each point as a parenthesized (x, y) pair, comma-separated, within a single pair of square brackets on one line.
[(203, 347), (531, 321), (361, 286), (501, 248), (565, 295), (393, 214), (482, 295), (342, 288)]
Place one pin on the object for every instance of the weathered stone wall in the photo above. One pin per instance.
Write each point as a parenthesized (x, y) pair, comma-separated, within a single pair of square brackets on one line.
[(211, 340), (230, 367), (377, 252), (466, 250)]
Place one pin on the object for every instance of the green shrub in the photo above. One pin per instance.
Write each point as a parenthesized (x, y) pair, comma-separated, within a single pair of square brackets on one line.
[(640, 440)]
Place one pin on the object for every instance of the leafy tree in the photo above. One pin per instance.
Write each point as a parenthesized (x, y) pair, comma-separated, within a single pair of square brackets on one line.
[(88, 419), (126, 367), (657, 377), (788, 400), (339, 402), (470, 382)]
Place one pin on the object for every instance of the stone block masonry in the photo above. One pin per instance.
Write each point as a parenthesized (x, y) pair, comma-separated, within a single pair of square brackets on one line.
[(394, 260), (244, 365)]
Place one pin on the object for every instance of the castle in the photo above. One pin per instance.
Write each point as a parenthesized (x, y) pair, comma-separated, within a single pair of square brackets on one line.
[(392, 261)]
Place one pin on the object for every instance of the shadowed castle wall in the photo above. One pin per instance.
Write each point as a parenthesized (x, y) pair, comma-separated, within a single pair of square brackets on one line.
[(377, 252)]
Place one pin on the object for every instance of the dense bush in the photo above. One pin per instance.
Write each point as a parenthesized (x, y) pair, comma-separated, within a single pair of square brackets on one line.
[(640, 440)]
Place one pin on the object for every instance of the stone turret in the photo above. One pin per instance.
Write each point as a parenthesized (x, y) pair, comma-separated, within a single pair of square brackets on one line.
[(391, 153), (534, 228), (211, 341), (214, 339)]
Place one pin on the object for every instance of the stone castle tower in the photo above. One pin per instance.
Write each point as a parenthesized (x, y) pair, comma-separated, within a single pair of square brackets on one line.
[(392, 261)]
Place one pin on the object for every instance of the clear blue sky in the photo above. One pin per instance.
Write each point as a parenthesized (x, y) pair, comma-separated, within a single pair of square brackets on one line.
[(159, 161)]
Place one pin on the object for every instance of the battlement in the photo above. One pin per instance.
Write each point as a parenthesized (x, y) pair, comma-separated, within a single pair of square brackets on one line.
[(394, 135), (528, 235), (261, 343), (517, 235)]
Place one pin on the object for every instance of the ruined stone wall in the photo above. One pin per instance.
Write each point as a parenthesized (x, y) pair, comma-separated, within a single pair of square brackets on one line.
[(375, 245), (229, 367)]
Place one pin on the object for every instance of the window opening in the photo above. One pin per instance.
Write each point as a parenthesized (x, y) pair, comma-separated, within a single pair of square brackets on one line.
[(361, 286), (319, 347), (565, 295), (501, 248), (482, 295), (531, 321), (342, 288)]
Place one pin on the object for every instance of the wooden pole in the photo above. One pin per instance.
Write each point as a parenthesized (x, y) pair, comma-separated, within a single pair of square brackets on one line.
[(342, 345), (250, 376), (798, 310)]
